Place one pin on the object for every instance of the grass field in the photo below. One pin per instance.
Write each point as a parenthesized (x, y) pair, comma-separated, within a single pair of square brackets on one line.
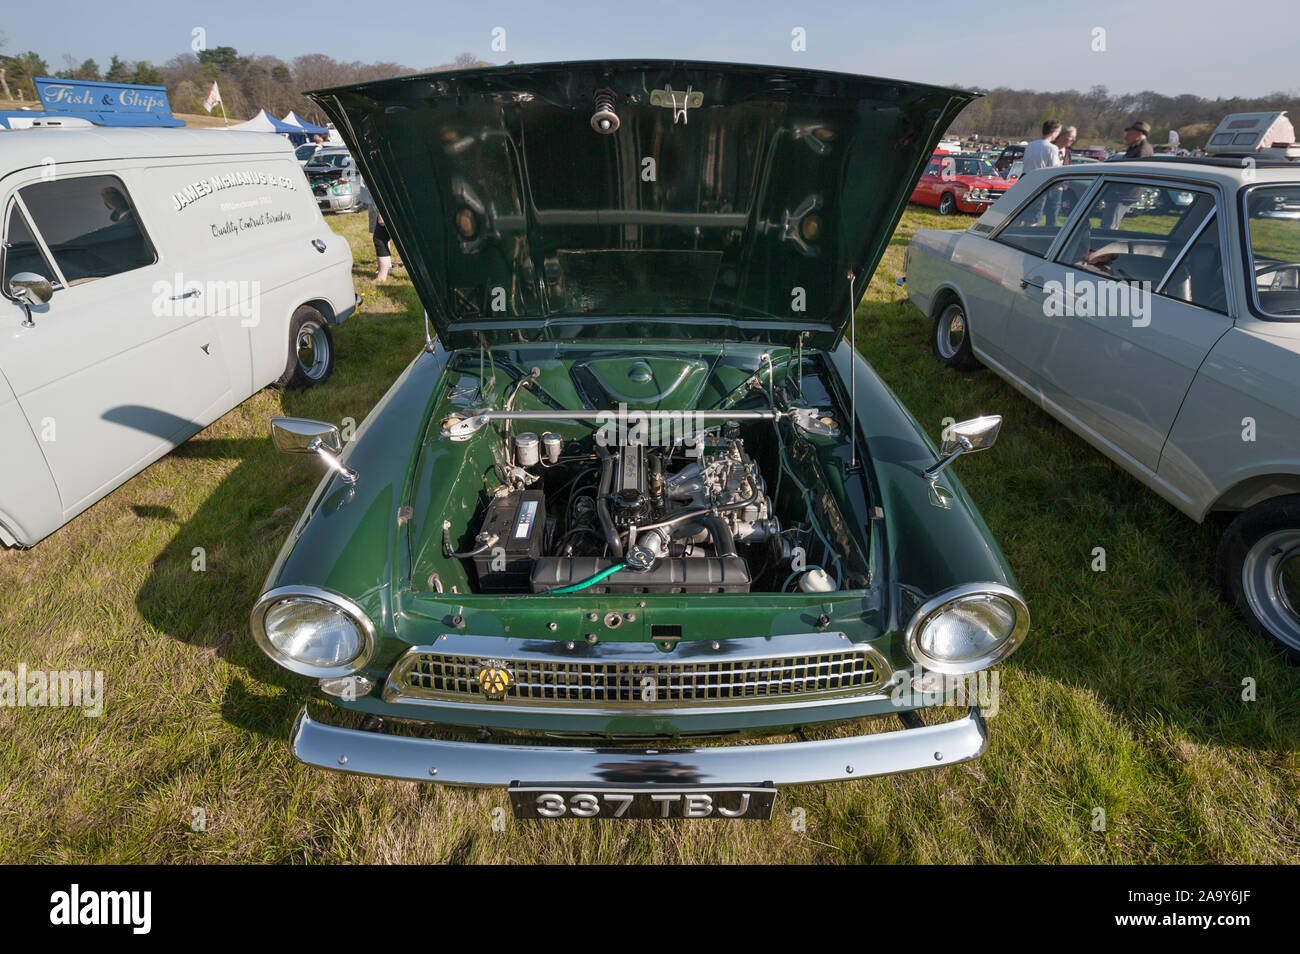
[(1128, 697)]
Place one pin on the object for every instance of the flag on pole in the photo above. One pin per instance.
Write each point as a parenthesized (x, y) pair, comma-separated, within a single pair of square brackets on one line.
[(214, 97)]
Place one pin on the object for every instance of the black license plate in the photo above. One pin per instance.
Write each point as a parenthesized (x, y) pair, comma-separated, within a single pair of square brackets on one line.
[(566, 801)]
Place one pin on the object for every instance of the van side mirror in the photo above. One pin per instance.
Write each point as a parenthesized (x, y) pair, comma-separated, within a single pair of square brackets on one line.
[(966, 437), (299, 435), (28, 288)]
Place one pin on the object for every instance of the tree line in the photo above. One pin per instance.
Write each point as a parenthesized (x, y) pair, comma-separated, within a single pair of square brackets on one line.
[(247, 83), (1101, 116), (250, 83)]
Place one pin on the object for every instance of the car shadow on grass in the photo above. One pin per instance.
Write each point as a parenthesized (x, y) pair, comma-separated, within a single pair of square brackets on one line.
[(200, 588)]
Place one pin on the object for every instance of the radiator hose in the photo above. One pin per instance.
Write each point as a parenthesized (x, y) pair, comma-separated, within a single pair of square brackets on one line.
[(589, 581)]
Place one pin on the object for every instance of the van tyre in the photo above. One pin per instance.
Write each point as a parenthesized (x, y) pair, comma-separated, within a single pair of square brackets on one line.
[(311, 350), (1259, 571), (950, 338)]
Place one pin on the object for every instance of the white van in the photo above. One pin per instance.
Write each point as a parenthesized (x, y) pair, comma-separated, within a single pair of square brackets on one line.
[(150, 280)]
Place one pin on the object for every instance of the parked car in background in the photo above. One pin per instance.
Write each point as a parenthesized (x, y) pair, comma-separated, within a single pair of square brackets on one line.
[(1095, 153), (334, 179), (304, 152), (959, 184), (794, 550), (158, 279), (1166, 333), (1011, 153)]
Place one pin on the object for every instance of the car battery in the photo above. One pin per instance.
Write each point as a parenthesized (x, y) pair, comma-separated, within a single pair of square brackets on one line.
[(518, 520)]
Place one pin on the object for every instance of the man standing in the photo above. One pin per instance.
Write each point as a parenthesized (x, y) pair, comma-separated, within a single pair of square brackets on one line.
[(1064, 140), (1135, 139), (1041, 154)]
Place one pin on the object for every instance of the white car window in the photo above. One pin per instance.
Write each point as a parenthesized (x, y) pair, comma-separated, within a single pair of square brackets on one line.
[(1198, 277), (1134, 232), (1035, 226), (89, 225), (1273, 224)]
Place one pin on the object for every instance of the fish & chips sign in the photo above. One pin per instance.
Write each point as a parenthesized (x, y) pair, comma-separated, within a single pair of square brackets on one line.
[(86, 96)]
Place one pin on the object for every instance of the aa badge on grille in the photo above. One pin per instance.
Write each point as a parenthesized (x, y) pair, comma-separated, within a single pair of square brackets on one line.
[(495, 678)]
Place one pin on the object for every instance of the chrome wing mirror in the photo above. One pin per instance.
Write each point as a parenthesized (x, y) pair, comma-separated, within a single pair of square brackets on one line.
[(965, 437), (298, 435), (28, 288)]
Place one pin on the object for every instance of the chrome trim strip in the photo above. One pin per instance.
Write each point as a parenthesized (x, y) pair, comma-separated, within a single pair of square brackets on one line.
[(729, 651), (785, 763), (1186, 249)]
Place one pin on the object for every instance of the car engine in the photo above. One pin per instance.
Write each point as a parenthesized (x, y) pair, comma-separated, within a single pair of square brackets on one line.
[(651, 519)]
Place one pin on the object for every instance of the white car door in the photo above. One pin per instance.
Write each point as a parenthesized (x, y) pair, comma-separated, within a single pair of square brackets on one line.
[(1117, 322), (108, 382), (1019, 248)]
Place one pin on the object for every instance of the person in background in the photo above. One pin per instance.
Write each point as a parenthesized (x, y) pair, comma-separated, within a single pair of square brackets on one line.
[(1063, 141), (1041, 154), (379, 234), (1135, 139)]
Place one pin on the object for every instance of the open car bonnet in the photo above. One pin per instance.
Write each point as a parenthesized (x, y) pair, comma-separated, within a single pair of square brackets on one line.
[(640, 199)]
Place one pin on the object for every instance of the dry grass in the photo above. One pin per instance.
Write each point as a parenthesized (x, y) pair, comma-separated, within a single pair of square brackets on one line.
[(1127, 698)]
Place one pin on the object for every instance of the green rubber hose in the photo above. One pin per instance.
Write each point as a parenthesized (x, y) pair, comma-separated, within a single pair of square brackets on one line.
[(589, 581)]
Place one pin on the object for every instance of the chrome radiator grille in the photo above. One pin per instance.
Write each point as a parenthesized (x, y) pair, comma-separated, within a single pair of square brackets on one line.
[(543, 682)]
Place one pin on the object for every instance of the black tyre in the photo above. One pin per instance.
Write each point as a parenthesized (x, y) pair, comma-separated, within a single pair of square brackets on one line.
[(947, 204), (311, 350), (950, 338), (1259, 570)]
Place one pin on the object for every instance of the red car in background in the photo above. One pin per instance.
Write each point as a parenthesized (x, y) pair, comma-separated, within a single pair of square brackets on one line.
[(953, 183)]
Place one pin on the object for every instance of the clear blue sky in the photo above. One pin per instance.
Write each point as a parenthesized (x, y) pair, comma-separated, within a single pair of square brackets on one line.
[(1194, 46)]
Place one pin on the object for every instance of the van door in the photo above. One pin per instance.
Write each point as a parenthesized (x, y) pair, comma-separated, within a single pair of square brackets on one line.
[(1118, 323), (109, 377)]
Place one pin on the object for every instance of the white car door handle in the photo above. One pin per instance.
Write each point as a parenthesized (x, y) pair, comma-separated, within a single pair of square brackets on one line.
[(192, 293)]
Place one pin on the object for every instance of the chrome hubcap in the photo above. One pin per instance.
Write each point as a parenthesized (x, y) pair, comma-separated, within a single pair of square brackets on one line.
[(313, 350), (952, 332), (1270, 577)]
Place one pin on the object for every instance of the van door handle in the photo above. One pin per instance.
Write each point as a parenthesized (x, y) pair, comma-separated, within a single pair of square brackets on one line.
[(318, 245), (192, 293), (1030, 283)]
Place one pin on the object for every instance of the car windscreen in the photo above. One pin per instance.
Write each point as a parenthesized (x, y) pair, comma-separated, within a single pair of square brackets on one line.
[(1273, 227)]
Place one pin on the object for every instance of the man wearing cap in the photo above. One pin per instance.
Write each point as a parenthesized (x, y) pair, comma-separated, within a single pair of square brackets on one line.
[(1135, 138)]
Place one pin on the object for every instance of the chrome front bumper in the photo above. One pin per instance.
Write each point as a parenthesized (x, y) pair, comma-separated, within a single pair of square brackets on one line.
[(488, 764)]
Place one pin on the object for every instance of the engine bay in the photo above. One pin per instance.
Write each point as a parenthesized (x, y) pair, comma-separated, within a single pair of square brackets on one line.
[(724, 504)]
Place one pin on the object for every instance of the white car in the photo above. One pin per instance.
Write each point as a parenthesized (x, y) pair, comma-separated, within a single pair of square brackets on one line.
[(151, 280), (1154, 308)]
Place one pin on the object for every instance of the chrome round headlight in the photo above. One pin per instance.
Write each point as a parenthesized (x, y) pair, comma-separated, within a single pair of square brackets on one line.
[(312, 631), (968, 628)]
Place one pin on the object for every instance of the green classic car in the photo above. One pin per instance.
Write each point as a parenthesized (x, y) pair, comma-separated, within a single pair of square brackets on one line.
[(638, 500)]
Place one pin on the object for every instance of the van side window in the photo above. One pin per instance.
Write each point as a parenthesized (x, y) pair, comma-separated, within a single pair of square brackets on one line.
[(89, 225), (22, 254), (1033, 228)]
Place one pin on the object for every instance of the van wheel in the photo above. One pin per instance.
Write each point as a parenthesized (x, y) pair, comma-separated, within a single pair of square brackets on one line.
[(311, 350), (947, 204), (1259, 570), (950, 339)]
